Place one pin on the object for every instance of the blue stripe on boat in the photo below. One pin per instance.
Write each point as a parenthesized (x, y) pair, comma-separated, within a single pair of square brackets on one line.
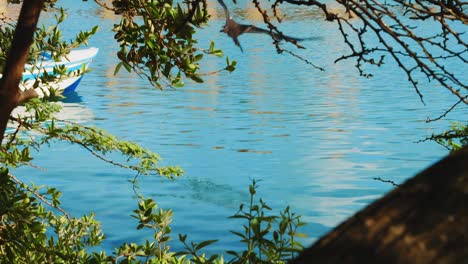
[(73, 86)]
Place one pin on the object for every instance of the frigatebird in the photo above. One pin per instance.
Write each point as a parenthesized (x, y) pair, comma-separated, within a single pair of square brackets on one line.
[(234, 29)]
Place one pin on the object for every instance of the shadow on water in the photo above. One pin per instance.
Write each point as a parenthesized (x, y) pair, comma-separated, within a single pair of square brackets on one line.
[(207, 191), (72, 97)]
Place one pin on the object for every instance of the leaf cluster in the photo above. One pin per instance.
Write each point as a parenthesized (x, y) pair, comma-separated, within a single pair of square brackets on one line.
[(32, 233), (452, 139), (157, 40), (26, 226), (268, 238), (263, 243), (37, 126), (49, 40)]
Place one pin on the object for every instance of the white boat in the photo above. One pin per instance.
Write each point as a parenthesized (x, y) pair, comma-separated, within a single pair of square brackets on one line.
[(76, 62)]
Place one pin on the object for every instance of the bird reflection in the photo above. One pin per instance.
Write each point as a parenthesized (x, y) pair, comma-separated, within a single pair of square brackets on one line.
[(234, 29)]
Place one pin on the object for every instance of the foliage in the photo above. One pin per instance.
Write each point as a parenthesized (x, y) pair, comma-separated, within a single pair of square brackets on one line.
[(453, 139), (37, 126), (263, 243), (47, 40), (26, 226), (157, 250), (156, 40), (31, 233), (6, 35)]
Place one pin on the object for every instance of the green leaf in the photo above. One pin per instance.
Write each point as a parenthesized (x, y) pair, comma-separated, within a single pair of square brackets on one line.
[(196, 78), (238, 234), (117, 68), (205, 243)]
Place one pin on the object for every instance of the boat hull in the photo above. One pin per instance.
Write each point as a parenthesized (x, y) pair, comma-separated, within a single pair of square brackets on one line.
[(76, 63)]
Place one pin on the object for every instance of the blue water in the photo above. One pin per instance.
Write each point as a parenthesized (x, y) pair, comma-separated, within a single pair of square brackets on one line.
[(315, 139)]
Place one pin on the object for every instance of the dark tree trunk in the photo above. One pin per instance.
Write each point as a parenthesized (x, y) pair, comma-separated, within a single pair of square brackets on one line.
[(10, 94), (425, 220)]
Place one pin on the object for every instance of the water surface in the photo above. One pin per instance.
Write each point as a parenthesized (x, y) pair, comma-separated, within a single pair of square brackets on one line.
[(315, 139)]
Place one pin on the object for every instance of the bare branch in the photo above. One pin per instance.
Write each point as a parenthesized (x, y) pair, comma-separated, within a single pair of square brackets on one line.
[(387, 181), (104, 5), (445, 113)]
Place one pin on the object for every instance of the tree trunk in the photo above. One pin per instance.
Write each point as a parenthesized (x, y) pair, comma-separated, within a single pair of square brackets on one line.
[(425, 220), (10, 94)]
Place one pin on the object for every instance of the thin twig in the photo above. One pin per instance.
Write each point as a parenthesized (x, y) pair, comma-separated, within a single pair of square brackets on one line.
[(104, 5), (386, 181), (40, 197), (446, 112), (303, 59)]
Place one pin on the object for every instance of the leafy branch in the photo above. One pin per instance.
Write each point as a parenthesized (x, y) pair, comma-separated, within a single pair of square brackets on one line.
[(55, 195)]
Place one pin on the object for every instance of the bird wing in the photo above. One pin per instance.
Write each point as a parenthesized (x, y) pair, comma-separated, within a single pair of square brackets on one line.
[(226, 10), (253, 29), (302, 39)]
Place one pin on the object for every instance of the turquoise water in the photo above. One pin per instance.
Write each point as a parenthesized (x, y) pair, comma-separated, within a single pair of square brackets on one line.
[(315, 139)]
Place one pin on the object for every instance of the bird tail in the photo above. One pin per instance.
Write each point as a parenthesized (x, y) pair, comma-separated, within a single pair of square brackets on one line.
[(302, 39)]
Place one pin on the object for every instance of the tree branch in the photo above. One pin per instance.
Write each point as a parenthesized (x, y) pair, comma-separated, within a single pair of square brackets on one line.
[(10, 94), (446, 112), (386, 181)]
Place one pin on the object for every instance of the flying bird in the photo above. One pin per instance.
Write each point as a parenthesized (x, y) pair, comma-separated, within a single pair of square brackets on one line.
[(234, 29)]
